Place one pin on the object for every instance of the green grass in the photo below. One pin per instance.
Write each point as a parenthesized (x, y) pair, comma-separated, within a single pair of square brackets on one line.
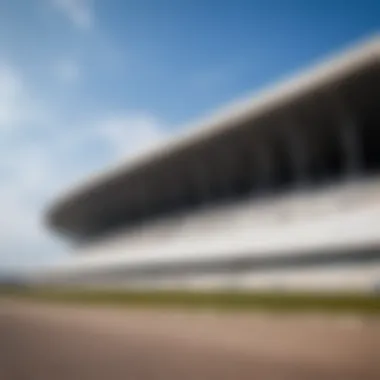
[(218, 300)]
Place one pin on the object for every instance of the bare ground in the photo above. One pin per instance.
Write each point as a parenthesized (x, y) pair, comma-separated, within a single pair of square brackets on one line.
[(54, 342)]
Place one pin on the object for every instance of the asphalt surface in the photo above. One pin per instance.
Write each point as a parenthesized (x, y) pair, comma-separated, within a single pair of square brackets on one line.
[(51, 342)]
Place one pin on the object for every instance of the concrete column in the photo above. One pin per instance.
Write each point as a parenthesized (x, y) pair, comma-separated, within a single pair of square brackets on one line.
[(178, 180), (230, 165), (351, 146), (298, 154), (264, 166), (349, 138), (199, 173), (244, 167), (224, 163)]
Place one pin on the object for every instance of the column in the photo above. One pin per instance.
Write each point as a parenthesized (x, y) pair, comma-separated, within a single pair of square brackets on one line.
[(351, 147), (144, 199), (200, 177), (298, 154), (348, 138), (265, 166), (201, 182), (228, 160)]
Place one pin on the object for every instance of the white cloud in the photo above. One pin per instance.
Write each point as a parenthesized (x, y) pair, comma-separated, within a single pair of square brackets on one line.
[(129, 134), (17, 105), (23, 175), (10, 88), (24, 242), (79, 12), (67, 70), (35, 166)]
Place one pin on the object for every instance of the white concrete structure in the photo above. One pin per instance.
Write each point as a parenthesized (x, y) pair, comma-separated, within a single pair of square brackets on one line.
[(280, 191)]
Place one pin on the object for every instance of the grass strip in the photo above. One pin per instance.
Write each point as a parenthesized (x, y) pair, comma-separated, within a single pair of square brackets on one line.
[(219, 300)]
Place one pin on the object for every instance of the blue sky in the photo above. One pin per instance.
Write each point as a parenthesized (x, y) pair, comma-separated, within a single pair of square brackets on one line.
[(86, 82)]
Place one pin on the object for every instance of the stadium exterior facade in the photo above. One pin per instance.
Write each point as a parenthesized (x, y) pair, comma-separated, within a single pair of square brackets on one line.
[(279, 192)]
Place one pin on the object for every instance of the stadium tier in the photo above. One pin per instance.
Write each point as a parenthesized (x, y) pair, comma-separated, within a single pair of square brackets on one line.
[(278, 192)]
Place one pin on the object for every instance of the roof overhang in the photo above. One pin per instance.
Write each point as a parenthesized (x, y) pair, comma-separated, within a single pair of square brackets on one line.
[(70, 211)]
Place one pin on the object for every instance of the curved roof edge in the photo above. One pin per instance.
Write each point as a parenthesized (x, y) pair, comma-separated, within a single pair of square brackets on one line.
[(270, 97)]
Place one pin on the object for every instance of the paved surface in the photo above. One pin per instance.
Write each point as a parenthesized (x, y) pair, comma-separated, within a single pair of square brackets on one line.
[(46, 342)]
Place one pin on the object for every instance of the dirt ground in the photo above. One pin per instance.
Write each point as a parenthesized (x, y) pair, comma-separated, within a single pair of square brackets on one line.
[(54, 342)]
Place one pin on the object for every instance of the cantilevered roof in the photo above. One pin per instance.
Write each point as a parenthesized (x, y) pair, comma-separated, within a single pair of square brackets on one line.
[(64, 212)]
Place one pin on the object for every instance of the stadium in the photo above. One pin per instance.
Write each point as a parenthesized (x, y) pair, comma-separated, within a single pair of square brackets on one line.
[(278, 192)]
